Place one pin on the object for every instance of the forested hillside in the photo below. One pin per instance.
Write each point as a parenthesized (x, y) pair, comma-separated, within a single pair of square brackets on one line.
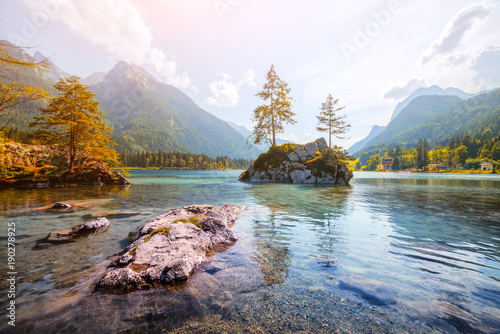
[(419, 111), (182, 160)]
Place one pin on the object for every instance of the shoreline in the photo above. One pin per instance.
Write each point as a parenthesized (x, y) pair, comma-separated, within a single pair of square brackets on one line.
[(468, 171)]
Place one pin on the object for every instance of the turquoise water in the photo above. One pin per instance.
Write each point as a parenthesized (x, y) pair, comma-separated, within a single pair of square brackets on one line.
[(431, 241)]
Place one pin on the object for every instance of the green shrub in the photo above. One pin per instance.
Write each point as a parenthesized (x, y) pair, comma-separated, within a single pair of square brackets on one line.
[(21, 172), (328, 161), (47, 170), (274, 157)]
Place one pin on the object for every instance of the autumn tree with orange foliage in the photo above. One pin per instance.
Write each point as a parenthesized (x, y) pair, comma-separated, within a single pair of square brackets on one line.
[(74, 125)]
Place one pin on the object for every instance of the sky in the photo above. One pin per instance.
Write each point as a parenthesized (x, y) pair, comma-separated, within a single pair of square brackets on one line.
[(368, 54)]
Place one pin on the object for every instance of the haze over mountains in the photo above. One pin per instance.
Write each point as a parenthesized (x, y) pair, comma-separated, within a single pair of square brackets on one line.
[(145, 114), (429, 108)]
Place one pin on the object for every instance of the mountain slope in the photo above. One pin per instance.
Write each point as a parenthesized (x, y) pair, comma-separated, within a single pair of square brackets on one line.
[(24, 77), (470, 117), (417, 112), (246, 133), (433, 90), (144, 113), (93, 79), (376, 130), (54, 72), (439, 118), (428, 91), (148, 115)]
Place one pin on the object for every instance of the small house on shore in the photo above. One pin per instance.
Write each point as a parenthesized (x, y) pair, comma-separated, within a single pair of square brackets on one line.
[(387, 164), (486, 166)]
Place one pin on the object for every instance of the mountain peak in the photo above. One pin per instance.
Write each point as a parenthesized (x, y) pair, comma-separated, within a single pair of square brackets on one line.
[(16, 52), (39, 56), (124, 72)]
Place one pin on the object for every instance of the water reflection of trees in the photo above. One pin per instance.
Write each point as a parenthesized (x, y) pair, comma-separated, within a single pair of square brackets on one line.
[(273, 253), (298, 214), (15, 201)]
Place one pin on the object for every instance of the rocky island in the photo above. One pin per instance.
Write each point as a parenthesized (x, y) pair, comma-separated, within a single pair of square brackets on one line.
[(170, 247), (313, 163), (24, 165)]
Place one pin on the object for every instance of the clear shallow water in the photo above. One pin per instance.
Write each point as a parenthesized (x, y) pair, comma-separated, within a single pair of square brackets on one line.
[(431, 240)]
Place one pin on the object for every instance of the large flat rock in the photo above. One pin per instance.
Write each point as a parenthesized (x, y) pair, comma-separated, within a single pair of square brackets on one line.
[(169, 248)]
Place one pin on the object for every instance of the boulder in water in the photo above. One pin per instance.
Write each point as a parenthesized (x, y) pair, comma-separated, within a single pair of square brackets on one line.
[(89, 229), (170, 247)]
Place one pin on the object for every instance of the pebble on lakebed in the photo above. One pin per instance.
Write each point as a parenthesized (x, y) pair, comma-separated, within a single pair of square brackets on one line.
[(170, 247)]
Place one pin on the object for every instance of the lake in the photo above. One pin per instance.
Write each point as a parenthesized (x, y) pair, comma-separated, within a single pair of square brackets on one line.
[(309, 259)]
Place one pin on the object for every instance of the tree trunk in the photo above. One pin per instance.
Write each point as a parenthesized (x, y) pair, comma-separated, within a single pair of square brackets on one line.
[(72, 147), (330, 133), (72, 151), (272, 121)]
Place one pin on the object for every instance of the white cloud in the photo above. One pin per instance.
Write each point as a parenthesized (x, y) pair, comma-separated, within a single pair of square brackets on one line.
[(465, 22), (402, 92), (225, 93), (292, 138), (119, 27), (487, 69), (458, 58), (249, 78)]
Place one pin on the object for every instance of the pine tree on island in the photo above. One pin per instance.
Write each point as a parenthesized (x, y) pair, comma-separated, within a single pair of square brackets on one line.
[(330, 121), (270, 117)]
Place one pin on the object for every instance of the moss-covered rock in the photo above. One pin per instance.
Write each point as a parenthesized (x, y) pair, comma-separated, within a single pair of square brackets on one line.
[(313, 163), (168, 249)]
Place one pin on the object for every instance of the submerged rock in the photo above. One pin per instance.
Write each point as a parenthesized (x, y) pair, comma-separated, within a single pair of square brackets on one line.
[(59, 205), (170, 247), (312, 163), (374, 292), (89, 229)]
